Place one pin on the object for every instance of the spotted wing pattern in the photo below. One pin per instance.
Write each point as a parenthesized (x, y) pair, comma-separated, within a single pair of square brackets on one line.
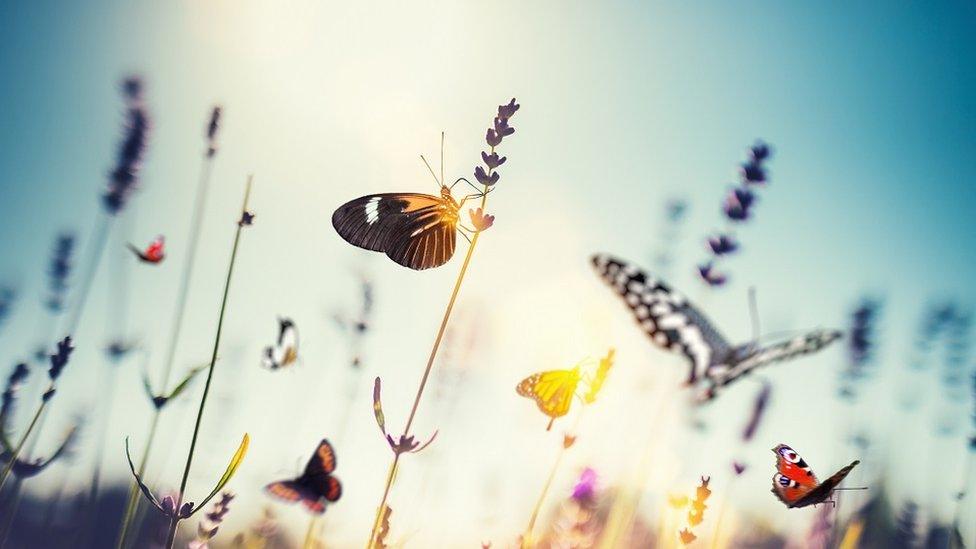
[(666, 316)]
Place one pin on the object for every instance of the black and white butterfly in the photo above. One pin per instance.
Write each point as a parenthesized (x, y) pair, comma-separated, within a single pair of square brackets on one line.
[(674, 324)]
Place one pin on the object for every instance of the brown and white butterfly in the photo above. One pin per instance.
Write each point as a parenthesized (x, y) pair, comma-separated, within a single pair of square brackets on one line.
[(416, 230)]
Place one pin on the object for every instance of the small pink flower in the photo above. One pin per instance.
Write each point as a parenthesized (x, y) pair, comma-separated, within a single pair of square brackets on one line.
[(481, 220)]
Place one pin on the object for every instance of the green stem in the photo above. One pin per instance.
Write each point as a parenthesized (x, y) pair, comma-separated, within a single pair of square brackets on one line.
[(199, 206), (20, 445), (132, 504), (175, 520)]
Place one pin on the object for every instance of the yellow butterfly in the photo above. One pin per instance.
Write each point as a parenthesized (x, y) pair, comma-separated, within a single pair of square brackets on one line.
[(553, 391)]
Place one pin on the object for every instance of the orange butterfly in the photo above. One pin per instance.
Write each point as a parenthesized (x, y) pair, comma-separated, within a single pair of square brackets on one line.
[(796, 485), (315, 486), (553, 391)]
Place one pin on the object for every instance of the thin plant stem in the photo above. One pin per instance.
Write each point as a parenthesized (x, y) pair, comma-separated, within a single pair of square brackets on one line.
[(97, 249), (16, 491), (20, 445), (100, 452), (527, 539), (624, 507), (723, 507), (391, 474), (133, 503), (99, 238), (309, 535), (199, 206), (175, 519)]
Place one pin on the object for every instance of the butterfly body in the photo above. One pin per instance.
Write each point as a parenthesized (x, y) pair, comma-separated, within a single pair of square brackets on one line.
[(674, 324), (154, 252), (285, 351), (416, 230), (794, 483), (315, 487)]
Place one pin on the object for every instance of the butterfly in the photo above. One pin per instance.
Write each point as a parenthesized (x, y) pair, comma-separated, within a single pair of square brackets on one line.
[(553, 391), (416, 230), (284, 352), (315, 486), (796, 485), (674, 324), (153, 253)]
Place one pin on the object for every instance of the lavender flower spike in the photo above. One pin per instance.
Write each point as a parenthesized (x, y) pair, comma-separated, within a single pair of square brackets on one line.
[(125, 175)]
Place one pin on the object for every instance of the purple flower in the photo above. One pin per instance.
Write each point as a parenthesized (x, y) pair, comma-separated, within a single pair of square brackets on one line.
[(753, 172), (407, 443), (492, 160), (212, 128), (738, 467), (484, 178), (60, 358), (60, 270), (722, 244), (737, 204), (481, 220), (507, 111), (502, 128), (123, 178), (493, 138), (585, 488), (712, 277), (759, 152), (758, 411)]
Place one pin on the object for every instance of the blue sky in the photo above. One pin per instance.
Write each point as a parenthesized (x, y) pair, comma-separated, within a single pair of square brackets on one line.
[(871, 109)]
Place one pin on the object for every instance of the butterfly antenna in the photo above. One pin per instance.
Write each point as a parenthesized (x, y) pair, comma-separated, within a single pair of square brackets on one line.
[(754, 314), (854, 488), (431, 170), (442, 157)]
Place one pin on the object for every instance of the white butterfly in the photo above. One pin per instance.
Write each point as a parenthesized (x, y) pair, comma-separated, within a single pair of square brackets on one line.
[(674, 324), (284, 352)]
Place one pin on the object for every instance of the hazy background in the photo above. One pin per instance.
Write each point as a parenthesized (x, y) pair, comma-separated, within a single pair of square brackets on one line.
[(871, 109)]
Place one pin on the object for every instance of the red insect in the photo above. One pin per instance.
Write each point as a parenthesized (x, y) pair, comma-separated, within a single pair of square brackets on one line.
[(153, 253), (796, 485)]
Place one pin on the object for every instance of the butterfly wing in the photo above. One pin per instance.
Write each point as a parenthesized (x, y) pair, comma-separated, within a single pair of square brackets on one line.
[(552, 391), (424, 241), (291, 491), (822, 491), (322, 462), (777, 352), (287, 342), (666, 316), (794, 482), (415, 230)]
